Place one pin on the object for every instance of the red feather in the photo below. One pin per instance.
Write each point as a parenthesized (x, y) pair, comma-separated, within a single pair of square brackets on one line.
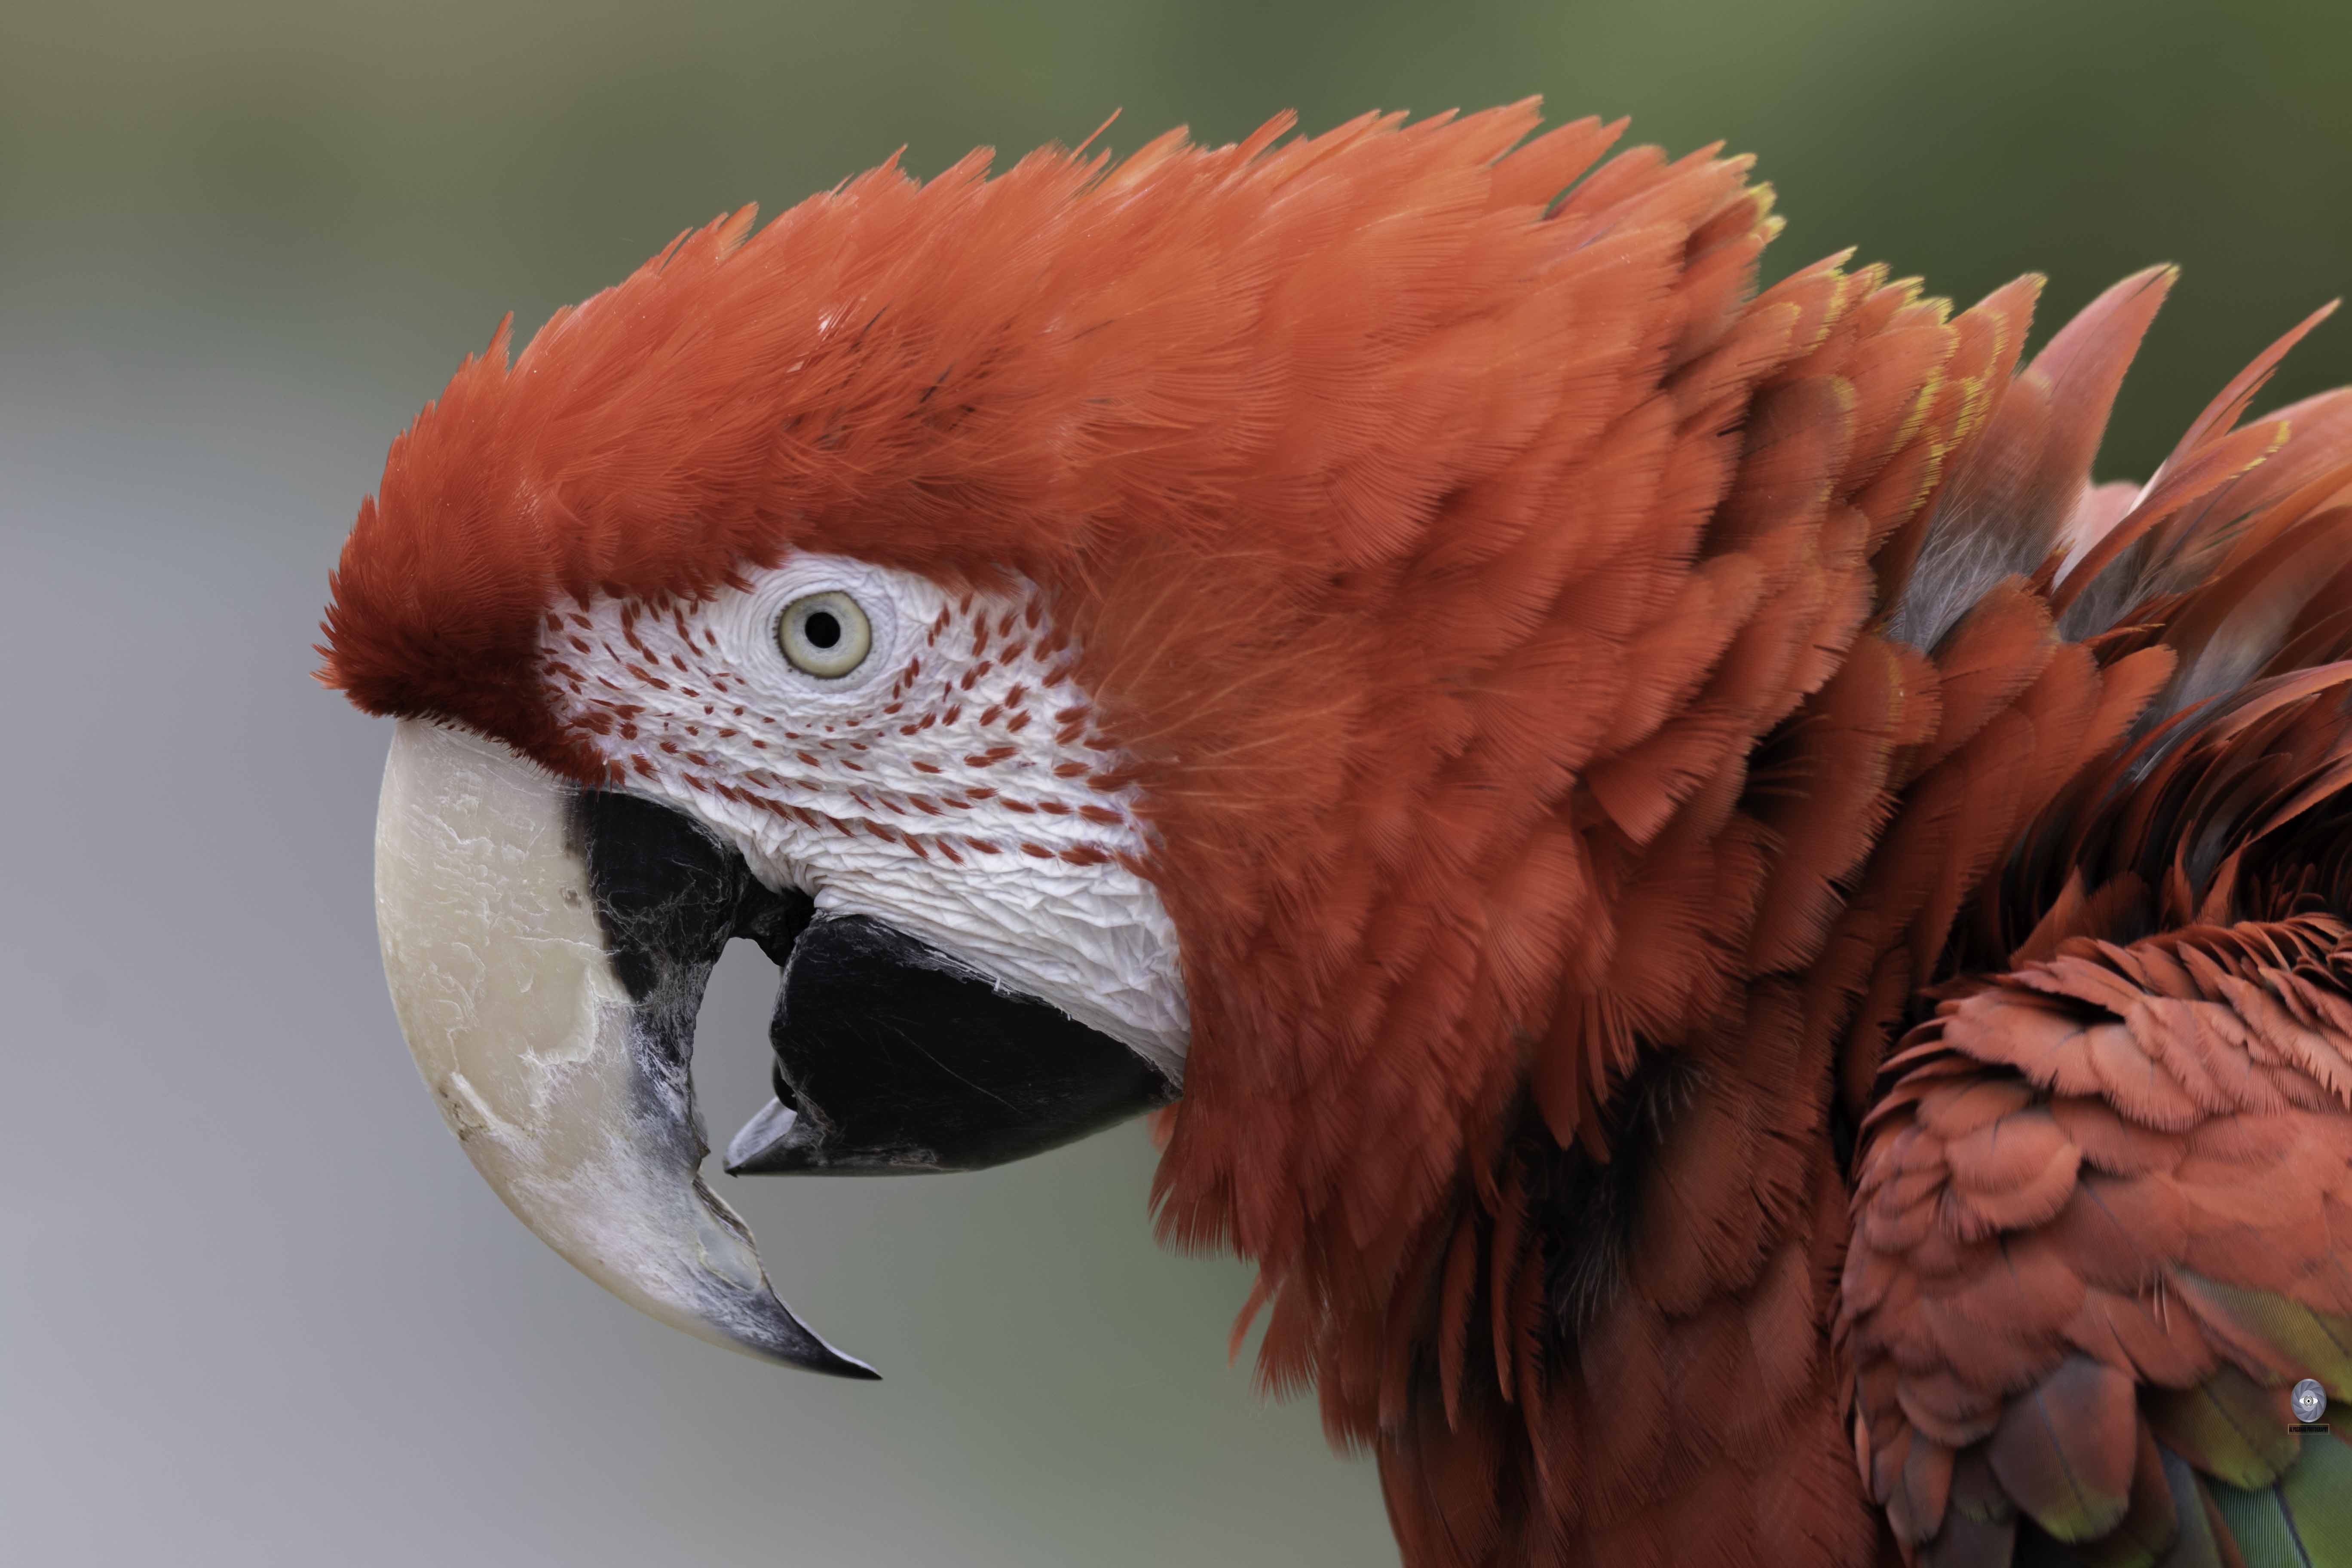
[(1589, 710)]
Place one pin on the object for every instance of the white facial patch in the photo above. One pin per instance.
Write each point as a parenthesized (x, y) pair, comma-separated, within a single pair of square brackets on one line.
[(952, 785)]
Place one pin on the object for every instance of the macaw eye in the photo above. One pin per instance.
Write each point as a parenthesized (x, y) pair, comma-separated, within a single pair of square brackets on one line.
[(824, 634)]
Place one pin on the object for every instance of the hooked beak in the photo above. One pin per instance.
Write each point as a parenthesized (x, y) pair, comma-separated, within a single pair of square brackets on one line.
[(547, 947)]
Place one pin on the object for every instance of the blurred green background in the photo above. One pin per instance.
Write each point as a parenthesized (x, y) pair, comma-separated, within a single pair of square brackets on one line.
[(254, 1309)]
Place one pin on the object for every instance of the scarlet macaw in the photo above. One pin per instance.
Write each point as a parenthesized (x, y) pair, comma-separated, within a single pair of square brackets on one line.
[(1761, 968)]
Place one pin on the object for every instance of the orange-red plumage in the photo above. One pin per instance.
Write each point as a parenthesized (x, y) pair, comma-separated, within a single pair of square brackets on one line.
[(1589, 708)]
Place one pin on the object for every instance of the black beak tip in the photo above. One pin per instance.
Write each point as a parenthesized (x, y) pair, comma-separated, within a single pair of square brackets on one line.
[(778, 1335), (814, 1355), (770, 1143)]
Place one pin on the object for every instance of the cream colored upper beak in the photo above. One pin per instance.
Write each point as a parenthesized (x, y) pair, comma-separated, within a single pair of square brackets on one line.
[(559, 1085)]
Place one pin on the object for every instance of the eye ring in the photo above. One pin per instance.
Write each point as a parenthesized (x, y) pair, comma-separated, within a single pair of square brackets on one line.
[(824, 634)]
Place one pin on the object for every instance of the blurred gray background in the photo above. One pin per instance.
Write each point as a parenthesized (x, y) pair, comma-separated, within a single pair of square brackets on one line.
[(254, 1309)]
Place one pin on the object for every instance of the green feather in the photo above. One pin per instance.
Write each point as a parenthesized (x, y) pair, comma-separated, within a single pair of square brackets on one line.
[(2228, 1427), (2305, 1521), (2317, 1496), (2319, 1344)]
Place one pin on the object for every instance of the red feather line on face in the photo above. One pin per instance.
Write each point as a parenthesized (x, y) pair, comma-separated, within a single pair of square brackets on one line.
[(1579, 699)]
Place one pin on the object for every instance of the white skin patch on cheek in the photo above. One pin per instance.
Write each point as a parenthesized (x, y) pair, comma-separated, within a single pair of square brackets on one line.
[(952, 785)]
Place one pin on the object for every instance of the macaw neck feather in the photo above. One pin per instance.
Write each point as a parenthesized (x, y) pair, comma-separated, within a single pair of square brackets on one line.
[(1709, 713)]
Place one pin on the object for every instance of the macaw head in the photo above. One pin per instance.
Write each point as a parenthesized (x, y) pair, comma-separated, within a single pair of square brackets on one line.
[(1109, 632)]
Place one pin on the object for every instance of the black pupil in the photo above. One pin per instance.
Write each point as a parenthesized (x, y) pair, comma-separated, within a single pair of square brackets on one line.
[(821, 629)]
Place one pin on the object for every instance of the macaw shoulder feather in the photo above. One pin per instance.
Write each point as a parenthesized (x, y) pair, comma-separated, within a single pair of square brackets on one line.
[(1817, 730), (2094, 1244)]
